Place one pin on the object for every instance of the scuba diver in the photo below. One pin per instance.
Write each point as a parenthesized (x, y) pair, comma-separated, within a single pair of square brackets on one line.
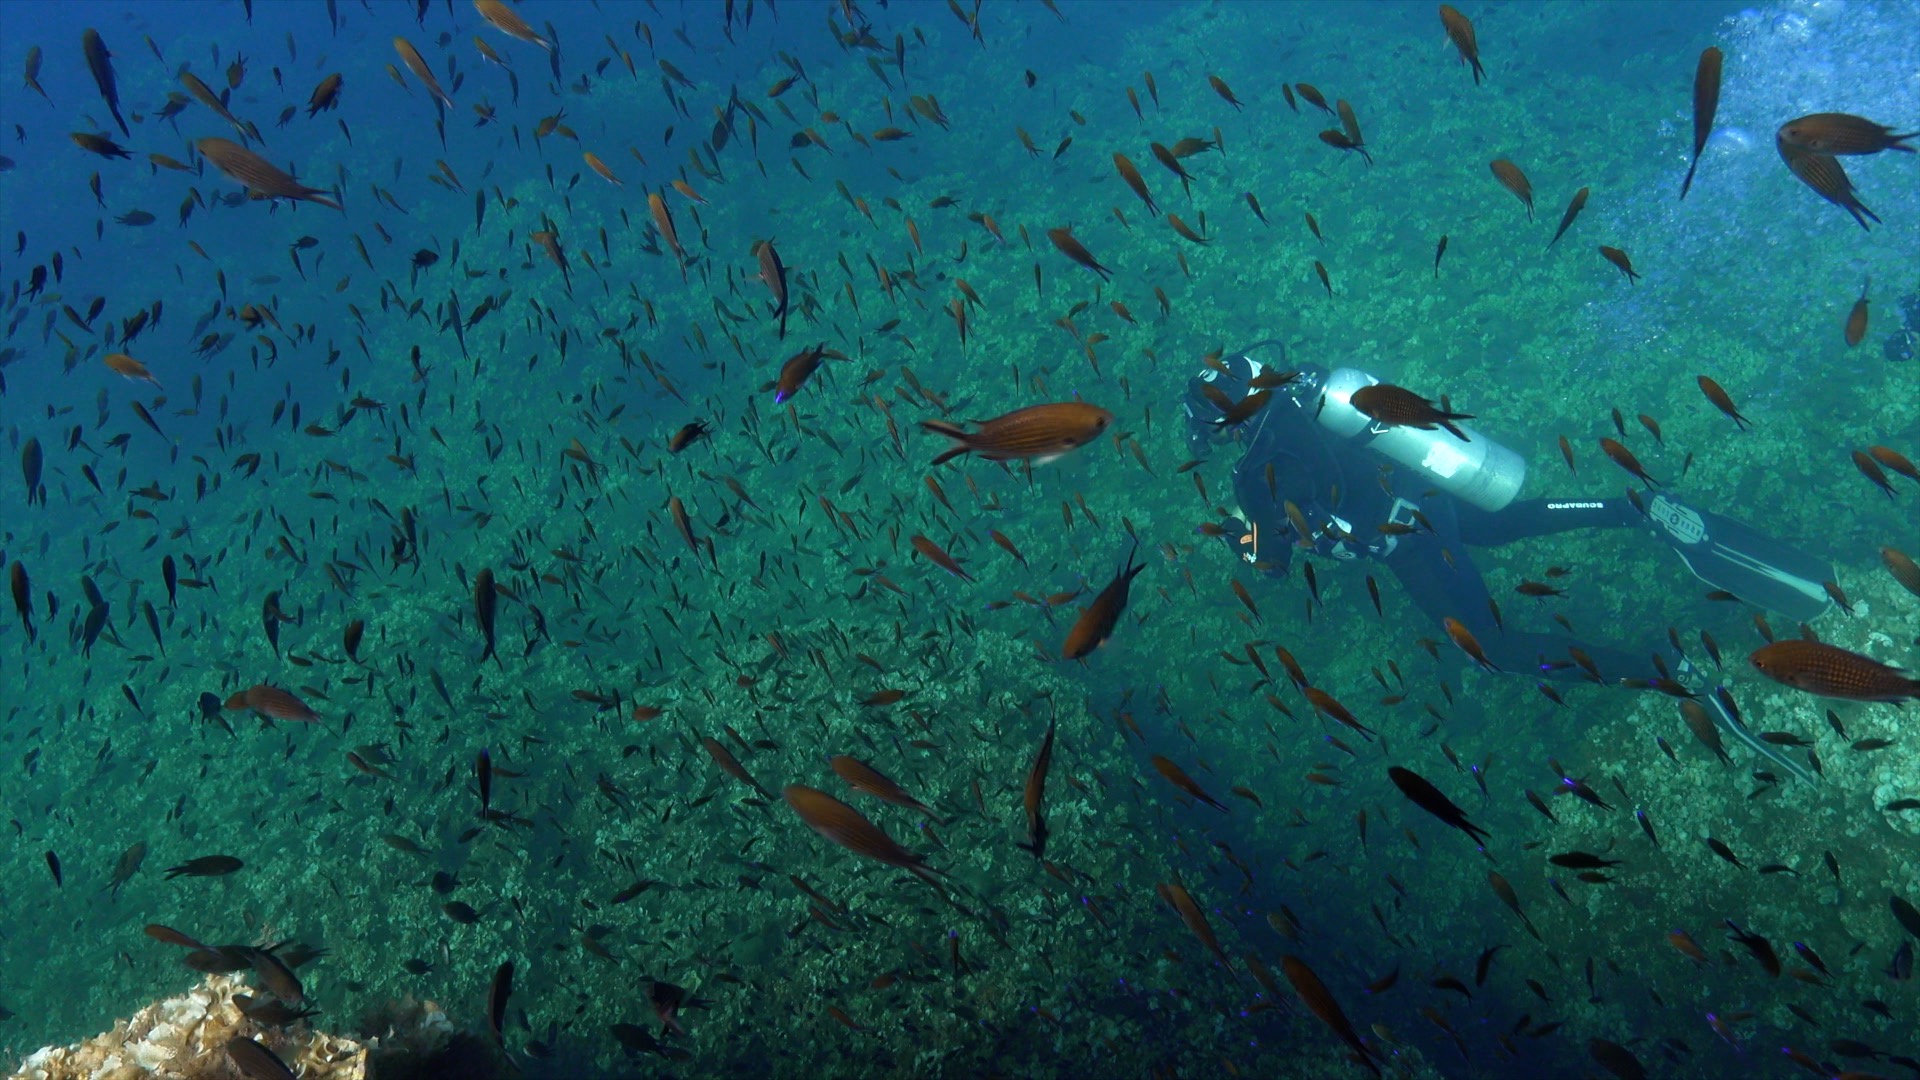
[(1317, 472)]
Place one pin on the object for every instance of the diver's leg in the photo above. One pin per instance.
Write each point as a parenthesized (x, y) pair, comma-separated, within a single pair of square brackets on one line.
[(1443, 588), (1543, 517)]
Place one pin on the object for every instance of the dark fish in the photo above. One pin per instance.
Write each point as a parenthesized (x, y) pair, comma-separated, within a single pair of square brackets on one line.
[(1438, 250), (486, 600), (1514, 180), (1428, 798), (1700, 722), (127, 866), (1619, 259), (1037, 433), (797, 370), (498, 991), (1905, 914), (1616, 1059), (30, 466), (483, 778), (1320, 1000), (1395, 406), (99, 144), (1760, 947), (688, 435), (1706, 102), (1830, 671), (1581, 860), (1841, 133), (205, 866), (22, 597), (1460, 32), (1033, 798), (325, 96), (255, 1061), (1096, 624), (53, 867), (100, 63)]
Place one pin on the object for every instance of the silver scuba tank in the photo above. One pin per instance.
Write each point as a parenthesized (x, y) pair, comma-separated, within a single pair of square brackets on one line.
[(1481, 471)]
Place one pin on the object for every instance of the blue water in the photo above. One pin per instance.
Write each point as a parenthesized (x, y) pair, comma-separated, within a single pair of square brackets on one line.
[(538, 449)]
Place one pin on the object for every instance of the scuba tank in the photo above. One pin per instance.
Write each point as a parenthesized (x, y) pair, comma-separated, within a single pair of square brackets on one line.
[(1480, 471)]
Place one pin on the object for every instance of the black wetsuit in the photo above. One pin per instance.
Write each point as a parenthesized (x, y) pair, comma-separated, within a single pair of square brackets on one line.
[(1290, 457)]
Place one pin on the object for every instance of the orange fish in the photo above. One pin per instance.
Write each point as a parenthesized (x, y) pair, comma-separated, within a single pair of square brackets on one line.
[(938, 556), (1619, 259), (1457, 631), (1075, 250), (774, 273), (418, 65), (1178, 778), (273, 703), (1903, 568), (508, 21), (1830, 671), (1716, 394), (1131, 174), (730, 765), (1320, 1001), (1856, 329), (1226, 92), (1395, 406), (663, 221), (593, 162), (1181, 901), (1841, 133), (845, 826), (1828, 179), (1624, 458), (1097, 622), (122, 364), (1034, 797), (1037, 433), (1460, 32), (262, 178), (1706, 102), (863, 777)]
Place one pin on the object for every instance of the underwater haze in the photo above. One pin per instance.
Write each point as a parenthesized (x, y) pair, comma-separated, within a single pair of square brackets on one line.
[(814, 538)]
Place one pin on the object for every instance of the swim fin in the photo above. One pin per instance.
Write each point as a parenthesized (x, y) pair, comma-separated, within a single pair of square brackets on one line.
[(1729, 555)]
